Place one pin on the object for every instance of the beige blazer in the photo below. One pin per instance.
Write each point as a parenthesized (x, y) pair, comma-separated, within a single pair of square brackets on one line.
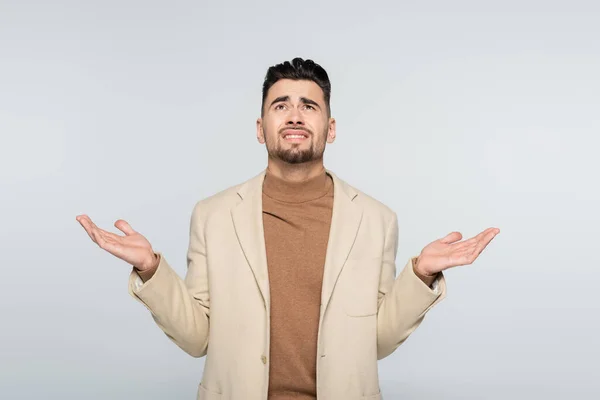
[(221, 308)]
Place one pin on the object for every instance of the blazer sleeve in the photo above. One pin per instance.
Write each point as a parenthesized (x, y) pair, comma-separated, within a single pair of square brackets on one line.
[(180, 307), (403, 301)]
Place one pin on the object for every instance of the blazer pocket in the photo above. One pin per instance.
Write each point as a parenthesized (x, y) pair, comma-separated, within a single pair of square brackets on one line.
[(361, 286), (205, 394)]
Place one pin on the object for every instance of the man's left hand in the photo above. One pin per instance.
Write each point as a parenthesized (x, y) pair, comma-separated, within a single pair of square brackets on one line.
[(449, 252)]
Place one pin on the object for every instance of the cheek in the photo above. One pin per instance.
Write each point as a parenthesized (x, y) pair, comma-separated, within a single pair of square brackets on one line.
[(270, 135), (318, 122), (319, 127), (271, 127)]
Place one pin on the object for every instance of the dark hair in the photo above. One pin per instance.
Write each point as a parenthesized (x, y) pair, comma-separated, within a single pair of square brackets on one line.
[(298, 69)]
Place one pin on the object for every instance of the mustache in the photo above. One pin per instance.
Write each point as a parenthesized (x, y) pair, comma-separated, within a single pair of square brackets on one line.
[(295, 128)]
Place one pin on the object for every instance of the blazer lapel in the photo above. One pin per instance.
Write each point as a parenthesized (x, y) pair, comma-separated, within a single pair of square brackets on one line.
[(345, 221), (248, 223)]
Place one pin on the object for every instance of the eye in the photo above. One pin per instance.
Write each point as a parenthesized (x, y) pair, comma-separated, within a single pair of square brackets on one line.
[(309, 106), (279, 107)]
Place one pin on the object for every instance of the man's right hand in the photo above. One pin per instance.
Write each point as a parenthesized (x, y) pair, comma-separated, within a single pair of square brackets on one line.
[(132, 248)]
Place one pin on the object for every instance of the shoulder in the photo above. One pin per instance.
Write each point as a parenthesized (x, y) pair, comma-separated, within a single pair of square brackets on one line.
[(376, 209), (369, 204), (222, 200)]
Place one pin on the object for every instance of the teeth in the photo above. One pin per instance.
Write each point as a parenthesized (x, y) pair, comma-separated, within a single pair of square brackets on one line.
[(294, 136)]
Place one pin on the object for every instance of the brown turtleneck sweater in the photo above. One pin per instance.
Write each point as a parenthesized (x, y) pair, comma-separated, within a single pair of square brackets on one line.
[(296, 218)]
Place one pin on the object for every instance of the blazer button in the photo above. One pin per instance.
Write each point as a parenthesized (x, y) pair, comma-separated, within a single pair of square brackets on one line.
[(264, 359)]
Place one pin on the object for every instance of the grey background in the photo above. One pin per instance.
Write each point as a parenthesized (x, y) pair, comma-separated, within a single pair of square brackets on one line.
[(458, 115)]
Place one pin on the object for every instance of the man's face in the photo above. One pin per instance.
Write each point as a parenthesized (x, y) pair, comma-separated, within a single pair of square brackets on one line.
[(295, 125)]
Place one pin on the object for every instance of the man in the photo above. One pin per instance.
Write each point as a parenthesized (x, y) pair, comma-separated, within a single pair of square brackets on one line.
[(291, 289)]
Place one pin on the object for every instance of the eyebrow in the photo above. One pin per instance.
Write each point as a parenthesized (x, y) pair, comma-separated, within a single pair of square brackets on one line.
[(303, 100)]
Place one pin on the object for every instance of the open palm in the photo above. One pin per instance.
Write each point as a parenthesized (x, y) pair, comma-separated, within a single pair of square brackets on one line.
[(132, 248), (449, 252)]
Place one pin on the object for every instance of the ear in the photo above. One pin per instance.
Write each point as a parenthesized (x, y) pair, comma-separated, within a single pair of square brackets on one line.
[(260, 135), (331, 131)]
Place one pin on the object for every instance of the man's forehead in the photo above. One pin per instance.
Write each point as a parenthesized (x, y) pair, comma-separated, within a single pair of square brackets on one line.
[(296, 89)]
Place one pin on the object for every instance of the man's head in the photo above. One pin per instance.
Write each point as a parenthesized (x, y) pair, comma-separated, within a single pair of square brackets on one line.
[(296, 118)]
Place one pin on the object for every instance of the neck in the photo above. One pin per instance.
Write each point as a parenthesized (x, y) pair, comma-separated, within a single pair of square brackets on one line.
[(295, 172)]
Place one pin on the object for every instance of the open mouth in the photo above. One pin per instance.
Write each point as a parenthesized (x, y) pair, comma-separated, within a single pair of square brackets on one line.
[(295, 136)]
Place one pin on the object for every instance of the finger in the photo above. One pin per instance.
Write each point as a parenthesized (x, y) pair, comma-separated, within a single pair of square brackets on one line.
[(109, 235), (83, 220), (101, 240), (96, 237), (482, 236), (95, 228), (87, 221), (87, 226), (489, 231), (468, 244), (451, 238), (124, 227), (475, 248), (493, 231), (487, 239), (109, 242), (94, 232)]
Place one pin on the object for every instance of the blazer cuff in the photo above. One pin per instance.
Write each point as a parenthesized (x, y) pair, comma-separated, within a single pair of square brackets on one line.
[(149, 289), (419, 292), (434, 285)]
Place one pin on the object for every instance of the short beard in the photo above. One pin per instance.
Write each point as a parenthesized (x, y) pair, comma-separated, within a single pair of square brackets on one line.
[(296, 156)]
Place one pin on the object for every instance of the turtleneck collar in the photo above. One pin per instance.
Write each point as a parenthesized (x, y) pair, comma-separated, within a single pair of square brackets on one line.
[(297, 192)]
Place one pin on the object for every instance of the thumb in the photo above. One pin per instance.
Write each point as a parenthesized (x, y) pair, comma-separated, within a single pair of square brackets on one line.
[(124, 227), (451, 238)]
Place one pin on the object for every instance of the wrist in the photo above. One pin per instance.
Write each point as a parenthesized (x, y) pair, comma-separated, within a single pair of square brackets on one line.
[(418, 268), (151, 264), (147, 273), (425, 277)]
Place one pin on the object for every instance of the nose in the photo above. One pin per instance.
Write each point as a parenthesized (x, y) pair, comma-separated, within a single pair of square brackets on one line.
[(295, 117)]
